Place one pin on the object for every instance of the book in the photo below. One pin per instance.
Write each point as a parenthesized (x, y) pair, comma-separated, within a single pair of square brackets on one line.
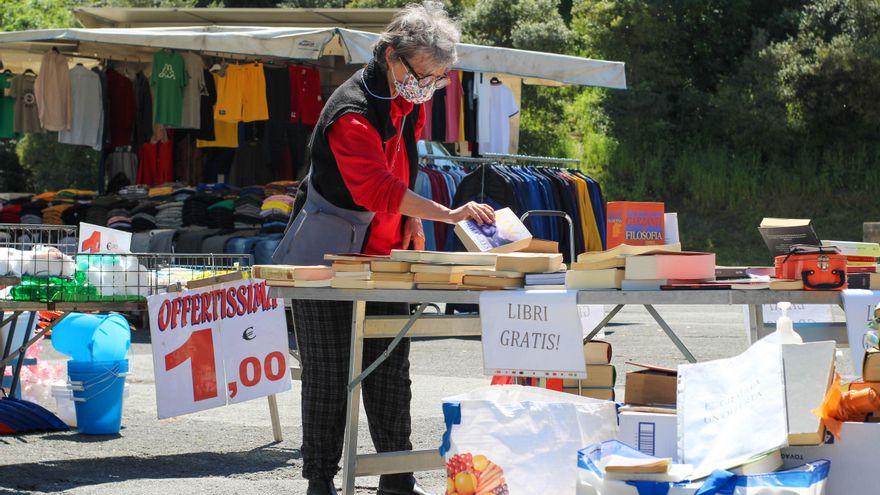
[(439, 286), (489, 281), (506, 235), (599, 393), (852, 248), (685, 265), (544, 286), (871, 365), (445, 269), (291, 272), (594, 279), (435, 257), (496, 273), (861, 259), (598, 376), (393, 284), (353, 275), (529, 262), (675, 473), (762, 464), (861, 269), (597, 352), (351, 283), (541, 246), (552, 278), (731, 272), (438, 278), (869, 281), (634, 223), (625, 250), (391, 277), (808, 370), (312, 283), (622, 464), (389, 266), (347, 266), (786, 284), (619, 262), (781, 233)]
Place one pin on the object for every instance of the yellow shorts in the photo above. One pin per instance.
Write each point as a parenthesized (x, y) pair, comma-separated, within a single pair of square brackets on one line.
[(241, 94)]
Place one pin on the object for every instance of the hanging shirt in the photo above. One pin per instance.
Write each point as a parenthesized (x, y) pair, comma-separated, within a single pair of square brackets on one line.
[(143, 123), (167, 80), (122, 108), (501, 108), (87, 123), (453, 107), (225, 133), (7, 109), (206, 107), (305, 94), (26, 115), (484, 101), (376, 173), (191, 116), (52, 90)]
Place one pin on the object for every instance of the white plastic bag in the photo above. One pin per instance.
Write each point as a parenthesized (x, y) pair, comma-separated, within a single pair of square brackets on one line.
[(808, 479), (513, 440)]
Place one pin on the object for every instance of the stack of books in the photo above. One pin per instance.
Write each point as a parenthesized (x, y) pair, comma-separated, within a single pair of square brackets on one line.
[(861, 263), (668, 270), (441, 271), (391, 274), (352, 271), (606, 269), (511, 269), (601, 375), (294, 276)]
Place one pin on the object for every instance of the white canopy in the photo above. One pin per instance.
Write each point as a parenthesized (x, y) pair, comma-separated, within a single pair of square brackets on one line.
[(26, 47)]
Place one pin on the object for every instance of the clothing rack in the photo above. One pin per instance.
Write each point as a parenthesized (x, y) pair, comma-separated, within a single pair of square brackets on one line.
[(532, 159)]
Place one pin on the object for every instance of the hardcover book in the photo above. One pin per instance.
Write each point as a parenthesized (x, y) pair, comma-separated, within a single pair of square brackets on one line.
[(506, 235), (635, 223), (781, 233)]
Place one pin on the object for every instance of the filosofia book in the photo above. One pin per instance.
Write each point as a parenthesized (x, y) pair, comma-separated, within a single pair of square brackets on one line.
[(506, 235)]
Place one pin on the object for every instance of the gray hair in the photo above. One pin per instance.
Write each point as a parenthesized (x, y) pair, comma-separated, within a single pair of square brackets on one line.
[(420, 28)]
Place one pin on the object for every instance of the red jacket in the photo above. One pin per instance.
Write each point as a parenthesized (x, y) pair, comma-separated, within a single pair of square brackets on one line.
[(376, 173)]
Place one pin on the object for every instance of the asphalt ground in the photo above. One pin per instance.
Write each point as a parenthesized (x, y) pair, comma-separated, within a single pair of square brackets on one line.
[(230, 450)]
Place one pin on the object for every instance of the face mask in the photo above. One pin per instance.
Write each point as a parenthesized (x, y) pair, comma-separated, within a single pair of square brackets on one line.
[(410, 90)]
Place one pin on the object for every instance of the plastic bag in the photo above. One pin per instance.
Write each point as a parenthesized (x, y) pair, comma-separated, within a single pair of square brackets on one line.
[(519, 440)]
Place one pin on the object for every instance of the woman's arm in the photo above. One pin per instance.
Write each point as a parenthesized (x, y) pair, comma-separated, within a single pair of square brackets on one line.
[(416, 206)]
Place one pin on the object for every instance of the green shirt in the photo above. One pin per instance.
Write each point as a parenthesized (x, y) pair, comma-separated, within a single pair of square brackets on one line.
[(167, 82), (7, 105)]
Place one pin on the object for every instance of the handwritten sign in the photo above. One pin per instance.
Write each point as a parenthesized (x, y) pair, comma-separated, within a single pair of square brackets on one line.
[(96, 239), (859, 307), (217, 345), (532, 333)]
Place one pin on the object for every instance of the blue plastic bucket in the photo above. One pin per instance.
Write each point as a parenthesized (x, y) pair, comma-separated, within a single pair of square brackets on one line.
[(86, 337), (97, 393)]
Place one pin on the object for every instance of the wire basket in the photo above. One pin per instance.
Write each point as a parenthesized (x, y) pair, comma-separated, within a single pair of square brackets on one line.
[(40, 264)]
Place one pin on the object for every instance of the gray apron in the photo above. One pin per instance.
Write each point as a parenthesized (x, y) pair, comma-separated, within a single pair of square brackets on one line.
[(322, 228)]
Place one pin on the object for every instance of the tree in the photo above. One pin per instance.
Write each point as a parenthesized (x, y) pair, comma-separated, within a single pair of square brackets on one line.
[(54, 166), (12, 176)]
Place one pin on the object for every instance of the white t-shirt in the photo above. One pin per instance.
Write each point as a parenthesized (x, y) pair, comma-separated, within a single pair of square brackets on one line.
[(501, 107), (87, 122)]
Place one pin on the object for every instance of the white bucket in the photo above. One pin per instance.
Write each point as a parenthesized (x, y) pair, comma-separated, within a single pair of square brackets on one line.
[(65, 405)]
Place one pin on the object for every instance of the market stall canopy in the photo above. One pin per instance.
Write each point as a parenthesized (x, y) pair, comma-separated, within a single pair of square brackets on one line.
[(296, 44)]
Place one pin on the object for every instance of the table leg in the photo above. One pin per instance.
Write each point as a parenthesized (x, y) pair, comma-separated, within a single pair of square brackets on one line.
[(603, 323), (752, 331), (669, 333), (349, 451)]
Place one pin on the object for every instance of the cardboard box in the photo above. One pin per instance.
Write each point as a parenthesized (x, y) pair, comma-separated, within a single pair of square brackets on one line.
[(651, 386), (650, 433), (853, 458)]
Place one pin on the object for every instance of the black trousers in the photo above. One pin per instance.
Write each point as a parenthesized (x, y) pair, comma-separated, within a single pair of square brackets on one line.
[(323, 330)]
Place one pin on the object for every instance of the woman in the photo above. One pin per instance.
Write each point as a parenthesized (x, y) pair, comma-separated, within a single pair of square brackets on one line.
[(359, 198)]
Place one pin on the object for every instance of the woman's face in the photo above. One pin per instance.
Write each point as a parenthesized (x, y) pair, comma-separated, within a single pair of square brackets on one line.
[(420, 66)]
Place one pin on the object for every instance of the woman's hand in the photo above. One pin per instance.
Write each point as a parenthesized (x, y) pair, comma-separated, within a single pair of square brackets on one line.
[(413, 231), (480, 213)]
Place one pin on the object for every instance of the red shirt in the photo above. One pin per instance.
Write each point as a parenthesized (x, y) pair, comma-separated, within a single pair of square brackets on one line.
[(375, 173)]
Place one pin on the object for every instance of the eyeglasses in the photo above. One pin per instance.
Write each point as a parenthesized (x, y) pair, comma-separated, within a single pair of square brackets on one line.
[(438, 82)]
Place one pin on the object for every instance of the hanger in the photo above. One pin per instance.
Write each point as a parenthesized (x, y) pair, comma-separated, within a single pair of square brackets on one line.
[(494, 80), (29, 72)]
